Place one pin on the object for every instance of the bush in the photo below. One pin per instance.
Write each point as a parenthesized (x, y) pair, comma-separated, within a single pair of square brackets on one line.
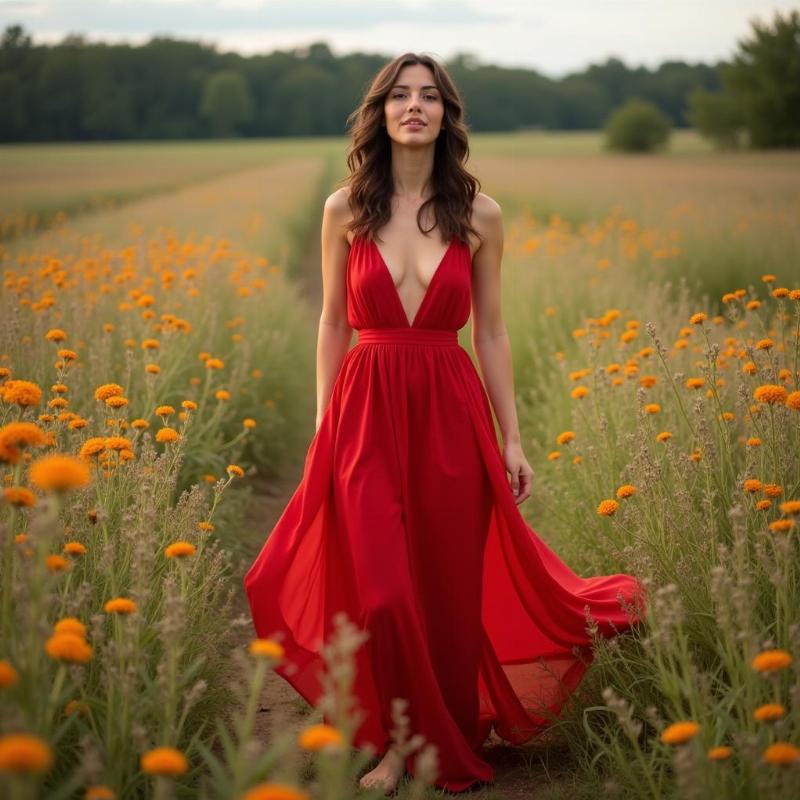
[(637, 126)]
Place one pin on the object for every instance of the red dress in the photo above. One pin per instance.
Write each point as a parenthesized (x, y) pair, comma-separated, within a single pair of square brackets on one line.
[(405, 519)]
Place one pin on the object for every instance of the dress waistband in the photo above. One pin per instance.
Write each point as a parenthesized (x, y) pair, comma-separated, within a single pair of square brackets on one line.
[(446, 338)]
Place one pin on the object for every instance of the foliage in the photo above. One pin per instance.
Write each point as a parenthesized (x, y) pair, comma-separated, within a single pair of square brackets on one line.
[(637, 126)]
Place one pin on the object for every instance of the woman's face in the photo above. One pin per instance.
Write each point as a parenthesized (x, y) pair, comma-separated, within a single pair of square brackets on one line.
[(414, 96)]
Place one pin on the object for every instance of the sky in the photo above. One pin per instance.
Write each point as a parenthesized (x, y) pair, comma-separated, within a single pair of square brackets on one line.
[(554, 38)]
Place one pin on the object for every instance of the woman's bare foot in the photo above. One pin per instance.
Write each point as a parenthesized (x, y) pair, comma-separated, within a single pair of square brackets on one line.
[(389, 771)]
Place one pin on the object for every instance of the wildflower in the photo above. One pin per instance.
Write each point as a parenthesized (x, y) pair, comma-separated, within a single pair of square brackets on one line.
[(695, 383), (663, 436), (249, 423), (764, 344), (769, 712), (59, 473), (19, 496), (235, 469), (679, 732), (770, 393), (754, 441), (24, 753), (626, 490), (107, 390), (56, 563), (772, 489), (55, 335), (68, 647), (771, 660), (317, 737), (793, 401), (222, 394), (23, 393), (781, 525), (167, 435), (205, 526), (140, 424), (727, 416), (189, 405), (120, 605), (749, 368), (752, 485), (179, 550), (554, 455), (99, 791), (695, 455), (267, 648), (578, 392), (8, 675), (652, 408), (781, 753), (565, 437), (214, 363), (781, 291), (70, 625), (152, 369), (164, 411), (75, 548), (790, 507), (648, 381), (275, 791), (76, 707), (151, 344), (164, 761), (719, 753), (696, 319), (763, 505), (117, 401), (768, 278), (18, 435), (607, 508)]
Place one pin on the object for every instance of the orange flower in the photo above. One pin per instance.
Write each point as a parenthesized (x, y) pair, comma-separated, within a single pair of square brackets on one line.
[(249, 423), (607, 508), (117, 401), (781, 754), (719, 753), (769, 712), (268, 648), (164, 761), (59, 473), (68, 647), (8, 675), (19, 496), (75, 548), (652, 408), (275, 791), (578, 392), (764, 344), (167, 435), (772, 489), (24, 753), (56, 563), (752, 485), (770, 393), (320, 736), (697, 318), (781, 525), (695, 383), (565, 437), (663, 436), (179, 550), (120, 605), (164, 411), (70, 625), (23, 393), (214, 363), (92, 447), (771, 660), (108, 390), (235, 469), (626, 490), (793, 401), (55, 335), (790, 507), (99, 791), (679, 732)]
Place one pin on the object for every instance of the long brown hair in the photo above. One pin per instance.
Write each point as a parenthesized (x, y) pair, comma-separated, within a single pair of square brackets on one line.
[(369, 159)]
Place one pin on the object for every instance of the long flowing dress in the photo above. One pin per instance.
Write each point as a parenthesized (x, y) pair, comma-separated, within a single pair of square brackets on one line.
[(405, 519)]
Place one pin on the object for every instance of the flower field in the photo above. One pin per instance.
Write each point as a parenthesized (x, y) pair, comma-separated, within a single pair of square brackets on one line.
[(157, 356)]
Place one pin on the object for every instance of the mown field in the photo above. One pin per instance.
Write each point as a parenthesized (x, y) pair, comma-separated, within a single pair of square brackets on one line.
[(157, 347)]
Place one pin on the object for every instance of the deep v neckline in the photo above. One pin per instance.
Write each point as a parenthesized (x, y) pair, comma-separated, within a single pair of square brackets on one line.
[(385, 269)]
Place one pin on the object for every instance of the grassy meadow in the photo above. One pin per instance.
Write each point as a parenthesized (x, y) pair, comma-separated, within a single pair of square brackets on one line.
[(157, 357)]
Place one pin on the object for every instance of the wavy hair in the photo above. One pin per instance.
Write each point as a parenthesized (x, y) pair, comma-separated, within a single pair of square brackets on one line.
[(369, 159)]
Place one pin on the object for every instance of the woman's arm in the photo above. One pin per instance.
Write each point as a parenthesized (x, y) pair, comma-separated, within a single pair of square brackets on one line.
[(335, 333), (490, 340)]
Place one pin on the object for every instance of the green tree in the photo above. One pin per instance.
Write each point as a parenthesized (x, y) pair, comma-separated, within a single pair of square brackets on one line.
[(717, 116), (764, 79), (226, 101), (637, 126)]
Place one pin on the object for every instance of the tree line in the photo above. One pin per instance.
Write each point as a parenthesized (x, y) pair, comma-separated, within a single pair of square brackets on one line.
[(167, 88)]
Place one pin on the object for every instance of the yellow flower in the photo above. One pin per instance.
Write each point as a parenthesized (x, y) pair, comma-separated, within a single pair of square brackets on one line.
[(275, 791), (719, 753), (18, 435), (189, 405), (770, 393), (68, 355), (70, 625), (626, 490), (59, 473), (769, 712), (317, 737), (679, 732), (117, 401), (565, 437), (108, 390), (781, 754), (179, 550), (24, 753), (164, 411), (140, 424), (118, 443), (607, 508), (578, 392), (8, 675), (23, 393), (234, 469), (164, 761), (120, 605), (92, 447), (167, 435), (696, 319), (19, 496), (771, 660), (68, 647)]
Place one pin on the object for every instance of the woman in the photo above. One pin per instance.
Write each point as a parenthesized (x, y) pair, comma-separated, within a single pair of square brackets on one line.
[(405, 517)]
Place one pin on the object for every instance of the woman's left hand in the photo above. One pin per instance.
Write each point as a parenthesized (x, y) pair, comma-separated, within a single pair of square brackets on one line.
[(520, 470)]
